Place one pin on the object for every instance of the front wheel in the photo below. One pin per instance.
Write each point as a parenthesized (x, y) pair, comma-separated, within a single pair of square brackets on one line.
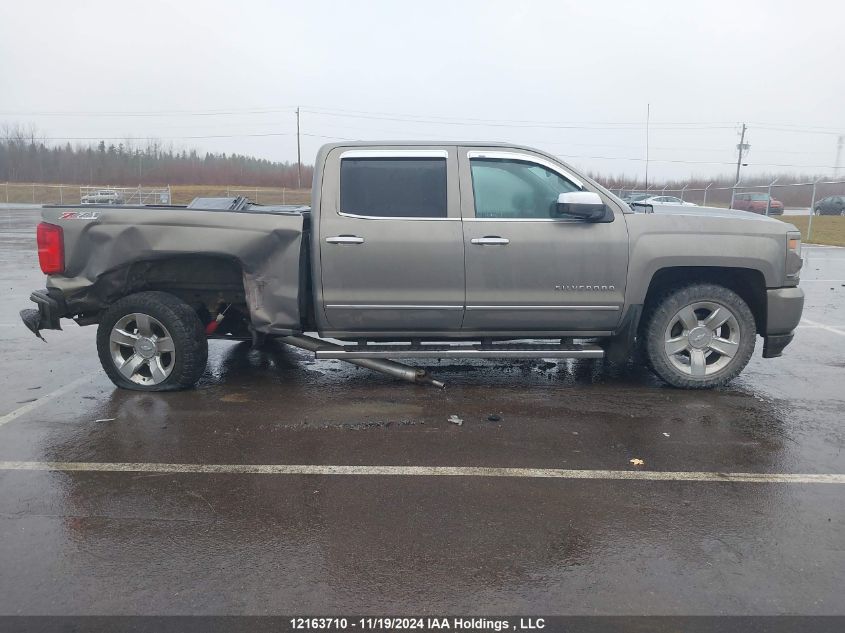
[(699, 336), (152, 341)]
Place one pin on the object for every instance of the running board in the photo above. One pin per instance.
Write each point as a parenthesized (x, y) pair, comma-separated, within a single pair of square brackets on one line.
[(503, 350)]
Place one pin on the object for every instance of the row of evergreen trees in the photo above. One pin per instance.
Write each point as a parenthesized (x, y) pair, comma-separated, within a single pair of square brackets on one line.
[(26, 157)]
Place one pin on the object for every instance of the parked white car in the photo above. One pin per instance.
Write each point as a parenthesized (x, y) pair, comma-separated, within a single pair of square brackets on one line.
[(103, 196), (657, 200)]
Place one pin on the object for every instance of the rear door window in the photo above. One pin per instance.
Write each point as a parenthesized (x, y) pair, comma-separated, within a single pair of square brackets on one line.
[(393, 187)]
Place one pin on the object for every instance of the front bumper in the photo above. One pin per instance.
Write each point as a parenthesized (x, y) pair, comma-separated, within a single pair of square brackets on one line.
[(783, 313), (774, 343), (51, 308)]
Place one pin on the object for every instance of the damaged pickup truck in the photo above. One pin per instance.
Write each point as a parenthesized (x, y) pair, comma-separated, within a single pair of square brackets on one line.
[(421, 250)]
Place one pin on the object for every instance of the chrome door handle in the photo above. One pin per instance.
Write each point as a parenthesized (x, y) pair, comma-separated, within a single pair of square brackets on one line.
[(345, 239), (491, 240)]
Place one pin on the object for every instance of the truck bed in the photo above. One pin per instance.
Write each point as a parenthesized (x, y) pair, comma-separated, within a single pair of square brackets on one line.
[(255, 251)]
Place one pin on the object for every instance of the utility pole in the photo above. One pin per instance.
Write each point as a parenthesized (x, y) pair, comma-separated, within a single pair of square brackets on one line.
[(298, 154), (839, 143), (647, 120), (742, 146)]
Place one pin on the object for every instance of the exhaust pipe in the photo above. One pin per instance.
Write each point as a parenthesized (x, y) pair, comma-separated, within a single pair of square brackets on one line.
[(387, 367)]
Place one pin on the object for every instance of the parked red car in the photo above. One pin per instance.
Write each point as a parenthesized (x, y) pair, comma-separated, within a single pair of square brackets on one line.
[(757, 203)]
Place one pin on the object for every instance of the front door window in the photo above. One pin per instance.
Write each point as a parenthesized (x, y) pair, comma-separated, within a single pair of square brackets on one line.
[(516, 189)]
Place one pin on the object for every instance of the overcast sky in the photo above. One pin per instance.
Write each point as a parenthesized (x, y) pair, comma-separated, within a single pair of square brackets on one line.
[(572, 78)]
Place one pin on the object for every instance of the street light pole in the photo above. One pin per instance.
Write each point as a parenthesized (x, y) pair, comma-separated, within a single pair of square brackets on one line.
[(647, 121), (742, 146), (298, 154)]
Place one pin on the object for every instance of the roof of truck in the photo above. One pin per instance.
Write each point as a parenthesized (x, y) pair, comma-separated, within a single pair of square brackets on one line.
[(429, 142), (326, 148)]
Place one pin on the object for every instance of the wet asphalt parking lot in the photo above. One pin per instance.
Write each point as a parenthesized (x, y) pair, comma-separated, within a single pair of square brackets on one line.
[(515, 527)]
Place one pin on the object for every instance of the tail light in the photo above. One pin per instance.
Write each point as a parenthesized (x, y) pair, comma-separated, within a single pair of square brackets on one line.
[(51, 248)]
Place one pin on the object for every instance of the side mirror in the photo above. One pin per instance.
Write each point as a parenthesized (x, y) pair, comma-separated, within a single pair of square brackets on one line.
[(581, 204)]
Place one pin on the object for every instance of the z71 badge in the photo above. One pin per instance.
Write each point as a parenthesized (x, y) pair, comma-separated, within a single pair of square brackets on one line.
[(79, 215)]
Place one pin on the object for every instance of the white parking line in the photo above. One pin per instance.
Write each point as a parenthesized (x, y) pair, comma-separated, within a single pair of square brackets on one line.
[(424, 471), (820, 326), (29, 406)]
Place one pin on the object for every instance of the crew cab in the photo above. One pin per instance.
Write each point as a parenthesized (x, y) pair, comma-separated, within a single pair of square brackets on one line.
[(423, 250)]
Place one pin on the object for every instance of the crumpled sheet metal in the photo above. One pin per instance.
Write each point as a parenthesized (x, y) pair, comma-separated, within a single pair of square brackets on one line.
[(266, 246)]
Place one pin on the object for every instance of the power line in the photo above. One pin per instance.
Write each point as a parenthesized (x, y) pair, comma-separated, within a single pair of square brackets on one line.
[(824, 128), (342, 138), (721, 150), (437, 119), (344, 113), (337, 138), (539, 124), (797, 130), (417, 118), (154, 138), (689, 162), (150, 113)]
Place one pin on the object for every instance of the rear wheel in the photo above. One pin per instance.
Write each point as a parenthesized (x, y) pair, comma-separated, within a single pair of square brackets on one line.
[(152, 341), (699, 336)]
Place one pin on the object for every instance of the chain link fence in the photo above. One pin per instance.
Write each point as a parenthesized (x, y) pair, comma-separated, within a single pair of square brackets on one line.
[(821, 197), (798, 197), (38, 193), (806, 200)]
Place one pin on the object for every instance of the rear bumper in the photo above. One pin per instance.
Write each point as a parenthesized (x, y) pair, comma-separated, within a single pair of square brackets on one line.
[(783, 313), (50, 309)]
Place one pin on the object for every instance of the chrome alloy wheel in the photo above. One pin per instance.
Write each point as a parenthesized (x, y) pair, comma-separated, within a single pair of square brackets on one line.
[(142, 349), (702, 339)]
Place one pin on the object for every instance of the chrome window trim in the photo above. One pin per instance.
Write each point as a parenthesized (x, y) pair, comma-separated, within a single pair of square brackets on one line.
[(395, 153), (526, 158), (396, 217)]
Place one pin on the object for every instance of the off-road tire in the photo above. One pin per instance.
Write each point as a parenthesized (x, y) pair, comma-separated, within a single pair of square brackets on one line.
[(182, 323), (666, 307)]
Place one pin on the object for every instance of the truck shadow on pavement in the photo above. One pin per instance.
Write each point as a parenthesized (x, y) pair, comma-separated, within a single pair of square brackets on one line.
[(282, 407)]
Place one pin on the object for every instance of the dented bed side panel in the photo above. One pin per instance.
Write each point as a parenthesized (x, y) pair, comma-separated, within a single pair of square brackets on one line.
[(101, 244)]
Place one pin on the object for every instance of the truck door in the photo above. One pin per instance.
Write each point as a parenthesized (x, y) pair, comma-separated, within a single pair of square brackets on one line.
[(391, 245), (526, 269)]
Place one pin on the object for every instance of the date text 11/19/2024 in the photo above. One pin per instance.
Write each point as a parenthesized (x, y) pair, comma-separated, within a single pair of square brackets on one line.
[(417, 624)]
